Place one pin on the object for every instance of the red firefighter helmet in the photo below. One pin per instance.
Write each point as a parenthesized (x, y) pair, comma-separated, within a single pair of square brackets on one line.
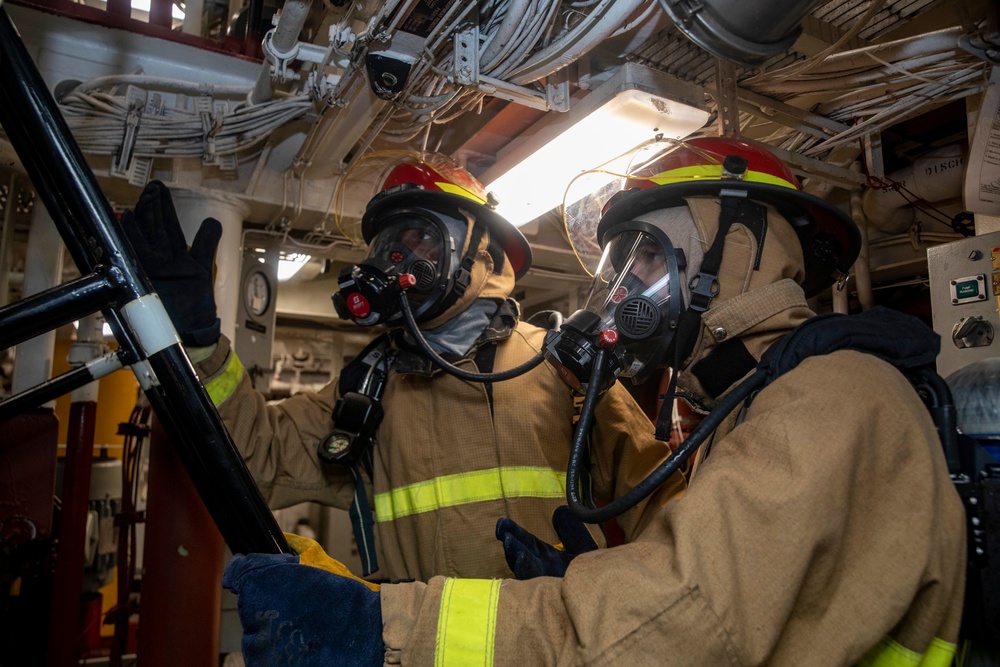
[(707, 166), (433, 180)]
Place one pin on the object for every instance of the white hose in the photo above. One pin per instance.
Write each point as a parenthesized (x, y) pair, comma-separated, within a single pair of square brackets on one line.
[(160, 83), (284, 38), (516, 10), (858, 59)]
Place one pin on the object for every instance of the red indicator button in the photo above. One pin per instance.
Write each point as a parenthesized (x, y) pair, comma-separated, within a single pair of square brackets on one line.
[(358, 305), (607, 338), (407, 280)]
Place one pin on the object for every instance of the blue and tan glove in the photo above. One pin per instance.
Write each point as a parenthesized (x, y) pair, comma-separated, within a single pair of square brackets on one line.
[(306, 610), (182, 277), (529, 557)]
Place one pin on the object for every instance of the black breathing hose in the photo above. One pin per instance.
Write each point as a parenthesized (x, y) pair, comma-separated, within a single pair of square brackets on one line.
[(454, 370), (576, 454), (665, 470)]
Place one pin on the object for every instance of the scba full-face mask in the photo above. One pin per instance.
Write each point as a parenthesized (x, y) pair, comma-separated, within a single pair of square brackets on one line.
[(660, 191), (632, 309), (417, 246)]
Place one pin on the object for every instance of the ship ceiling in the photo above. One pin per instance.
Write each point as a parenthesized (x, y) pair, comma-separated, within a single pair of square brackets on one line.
[(874, 83)]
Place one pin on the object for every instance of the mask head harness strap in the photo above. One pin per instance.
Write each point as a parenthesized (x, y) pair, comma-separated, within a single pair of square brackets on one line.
[(462, 277), (704, 285)]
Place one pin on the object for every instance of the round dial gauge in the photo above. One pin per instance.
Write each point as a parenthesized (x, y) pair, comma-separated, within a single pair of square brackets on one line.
[(257, 293)]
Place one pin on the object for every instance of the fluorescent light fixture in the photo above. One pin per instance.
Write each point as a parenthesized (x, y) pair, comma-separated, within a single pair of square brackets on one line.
[(634, 105), (289, 265)]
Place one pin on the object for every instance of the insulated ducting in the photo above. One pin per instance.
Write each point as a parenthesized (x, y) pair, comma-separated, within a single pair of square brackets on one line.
[(744, 32), (932, 178)]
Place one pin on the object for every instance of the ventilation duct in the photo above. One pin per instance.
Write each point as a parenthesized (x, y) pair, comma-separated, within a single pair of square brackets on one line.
[(934, 177), (747, 32)]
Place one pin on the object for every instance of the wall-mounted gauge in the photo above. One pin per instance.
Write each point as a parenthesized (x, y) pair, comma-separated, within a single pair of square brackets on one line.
[(257, 293)]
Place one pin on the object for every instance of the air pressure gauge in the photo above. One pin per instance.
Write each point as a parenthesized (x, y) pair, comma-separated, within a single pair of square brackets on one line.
[(257, 293)]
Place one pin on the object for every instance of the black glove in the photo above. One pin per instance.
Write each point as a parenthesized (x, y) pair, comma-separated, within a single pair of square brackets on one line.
[(182, 278), (529, 557)]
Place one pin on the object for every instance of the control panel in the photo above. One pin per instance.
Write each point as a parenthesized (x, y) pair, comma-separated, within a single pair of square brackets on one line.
[(965, 298)]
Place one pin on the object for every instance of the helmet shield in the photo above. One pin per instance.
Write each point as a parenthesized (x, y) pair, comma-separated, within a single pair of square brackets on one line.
[(709, 167), (636, 292), (588, 193)]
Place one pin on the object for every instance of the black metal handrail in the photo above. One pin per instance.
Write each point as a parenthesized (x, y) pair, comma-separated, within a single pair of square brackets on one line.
[(115, 281)]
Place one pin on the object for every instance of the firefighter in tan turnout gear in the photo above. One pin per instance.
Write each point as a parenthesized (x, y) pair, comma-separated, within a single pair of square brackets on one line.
[(449, 456), (820, 526)]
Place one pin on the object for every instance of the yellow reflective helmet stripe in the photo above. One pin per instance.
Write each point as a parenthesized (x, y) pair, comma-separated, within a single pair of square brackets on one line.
[(890, 653), (459, 190), (467, 622), (469, 487), (714, 172), (224, 384)]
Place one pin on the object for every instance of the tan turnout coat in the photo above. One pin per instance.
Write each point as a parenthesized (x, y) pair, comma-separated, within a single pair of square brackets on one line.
[(821, 529), (447, 464)]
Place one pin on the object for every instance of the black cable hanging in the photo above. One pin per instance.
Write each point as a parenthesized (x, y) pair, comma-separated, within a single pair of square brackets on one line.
[(454, 370)]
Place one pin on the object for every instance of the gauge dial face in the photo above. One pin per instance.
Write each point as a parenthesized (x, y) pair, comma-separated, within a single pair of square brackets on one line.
[(338, 444), (257, 293)]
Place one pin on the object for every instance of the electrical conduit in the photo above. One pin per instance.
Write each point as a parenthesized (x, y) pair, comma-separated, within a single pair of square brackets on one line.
[(283, 42), (595, 28)]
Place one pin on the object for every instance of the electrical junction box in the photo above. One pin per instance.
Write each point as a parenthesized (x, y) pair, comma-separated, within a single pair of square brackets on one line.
[(965, 299)]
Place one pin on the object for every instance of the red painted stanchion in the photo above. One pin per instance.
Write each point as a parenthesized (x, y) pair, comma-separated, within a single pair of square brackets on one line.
[(64, 623), (181, 593)]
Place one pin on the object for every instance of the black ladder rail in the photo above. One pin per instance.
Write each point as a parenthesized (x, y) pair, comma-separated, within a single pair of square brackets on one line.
[(47, 310), (68, 188), (53, 388), (39, 313)]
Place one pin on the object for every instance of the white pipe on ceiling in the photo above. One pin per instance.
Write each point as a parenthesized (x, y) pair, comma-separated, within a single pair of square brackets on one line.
[(934, 177)]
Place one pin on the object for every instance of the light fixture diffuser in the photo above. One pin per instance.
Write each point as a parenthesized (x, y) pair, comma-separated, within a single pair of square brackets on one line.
[(633, 106), (289, 264)]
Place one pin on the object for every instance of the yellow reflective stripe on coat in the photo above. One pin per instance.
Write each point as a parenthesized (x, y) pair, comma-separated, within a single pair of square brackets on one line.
[(469, 487), (890, 653), (224, 384), (467, 622)]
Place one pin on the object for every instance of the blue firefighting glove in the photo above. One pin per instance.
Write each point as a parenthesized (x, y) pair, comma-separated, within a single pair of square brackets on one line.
[(529, 557), (181, 277), (305, 610)]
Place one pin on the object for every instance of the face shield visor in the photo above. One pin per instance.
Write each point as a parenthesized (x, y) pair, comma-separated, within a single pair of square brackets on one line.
[(636, 292)]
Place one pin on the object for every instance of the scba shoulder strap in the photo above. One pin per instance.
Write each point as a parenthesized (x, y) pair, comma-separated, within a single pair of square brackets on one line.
[(912, 348)]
